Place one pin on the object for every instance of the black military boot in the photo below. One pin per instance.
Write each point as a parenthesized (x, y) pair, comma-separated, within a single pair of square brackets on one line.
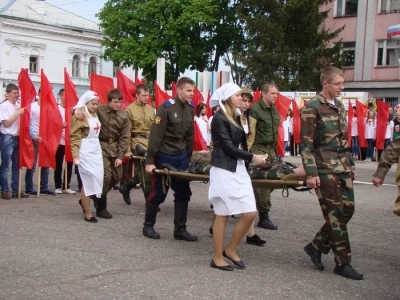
[(180, 232), (125, 191), (348, 272), (315, 255), (265, 222), (149, 221), (102, 211)]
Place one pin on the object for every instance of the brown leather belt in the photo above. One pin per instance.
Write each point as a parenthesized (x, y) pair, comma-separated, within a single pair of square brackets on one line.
[(173, 139), (140, 135), (110, 141)]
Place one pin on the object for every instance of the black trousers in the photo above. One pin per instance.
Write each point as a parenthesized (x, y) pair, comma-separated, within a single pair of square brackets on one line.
[(59, 179)]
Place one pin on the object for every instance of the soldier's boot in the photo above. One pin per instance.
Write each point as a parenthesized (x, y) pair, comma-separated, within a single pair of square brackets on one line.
[(347, 271), (149, 221), (125, 191), (315, 255), (140, 151), (180, 219), (265, 222), (102, 211)]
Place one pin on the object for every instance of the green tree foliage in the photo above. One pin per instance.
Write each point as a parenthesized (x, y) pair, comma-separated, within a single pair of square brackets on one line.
[(288, 43), (189, 34)]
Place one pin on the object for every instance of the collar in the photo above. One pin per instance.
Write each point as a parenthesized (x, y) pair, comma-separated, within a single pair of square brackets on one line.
[(110, 110), (179, 101), (139, 104), (322, 99), (264, 105)]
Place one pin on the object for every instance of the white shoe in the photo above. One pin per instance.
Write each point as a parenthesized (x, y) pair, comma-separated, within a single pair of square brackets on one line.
[(70, 192), (298, 154), (58, 191)]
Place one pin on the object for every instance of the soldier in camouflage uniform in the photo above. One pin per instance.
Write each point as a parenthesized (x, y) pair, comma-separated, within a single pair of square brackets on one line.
[(262, 139), (330, 170), (389, 156)]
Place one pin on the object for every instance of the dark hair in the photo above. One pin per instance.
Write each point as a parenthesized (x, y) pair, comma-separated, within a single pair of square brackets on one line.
[(61, 91), (141, 87), (199, 108), (214, 109), (184, 80), (11, 87), (248, 95), (114, 94)]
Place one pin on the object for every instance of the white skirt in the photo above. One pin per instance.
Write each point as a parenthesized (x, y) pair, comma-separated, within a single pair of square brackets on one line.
[(231, 193)]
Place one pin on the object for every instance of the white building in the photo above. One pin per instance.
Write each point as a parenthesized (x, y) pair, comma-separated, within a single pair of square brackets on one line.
[(37, 35)]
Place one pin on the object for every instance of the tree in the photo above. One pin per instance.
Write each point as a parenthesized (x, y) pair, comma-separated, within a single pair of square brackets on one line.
[(189, 34), (289, 43)]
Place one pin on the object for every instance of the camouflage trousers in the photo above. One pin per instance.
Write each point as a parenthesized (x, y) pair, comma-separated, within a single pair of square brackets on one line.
[(336, 198), (263, 195), (275, 170)]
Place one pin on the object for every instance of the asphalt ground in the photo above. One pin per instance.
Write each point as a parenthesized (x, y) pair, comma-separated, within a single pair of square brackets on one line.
[(47, 251)]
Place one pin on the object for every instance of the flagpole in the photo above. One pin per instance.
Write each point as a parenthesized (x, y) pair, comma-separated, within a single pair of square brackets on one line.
[(39, 178), (65, 164), (19, 183)]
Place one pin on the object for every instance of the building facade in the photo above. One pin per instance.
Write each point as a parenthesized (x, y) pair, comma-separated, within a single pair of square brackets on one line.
[(372, 60), (36, 35)]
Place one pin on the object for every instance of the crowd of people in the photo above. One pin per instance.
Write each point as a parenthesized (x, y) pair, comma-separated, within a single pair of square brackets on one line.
[(104, 137)]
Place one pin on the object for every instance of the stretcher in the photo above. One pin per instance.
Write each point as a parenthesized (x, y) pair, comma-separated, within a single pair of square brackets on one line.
[(283, 184)]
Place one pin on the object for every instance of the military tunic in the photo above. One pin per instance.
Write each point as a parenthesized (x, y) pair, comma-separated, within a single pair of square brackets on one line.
[(114, 141), (171, 141), (262, 139), (141, 118), (391, 156), (325, 153)]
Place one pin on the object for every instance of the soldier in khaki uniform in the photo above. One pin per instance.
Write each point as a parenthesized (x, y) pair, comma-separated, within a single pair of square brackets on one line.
[(141, 118), (389, 156), (330, 170), (262, 139), (114, 141), (171, 142)]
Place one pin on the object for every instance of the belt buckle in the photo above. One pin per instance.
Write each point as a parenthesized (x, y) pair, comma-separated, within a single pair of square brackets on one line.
[(110, 141), (180, 140)]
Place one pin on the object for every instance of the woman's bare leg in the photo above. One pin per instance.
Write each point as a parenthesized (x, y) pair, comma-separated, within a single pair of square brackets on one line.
[(218, 239), (85, 200)]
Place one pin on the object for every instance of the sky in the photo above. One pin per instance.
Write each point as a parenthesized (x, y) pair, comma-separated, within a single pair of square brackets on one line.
[(83, 8)]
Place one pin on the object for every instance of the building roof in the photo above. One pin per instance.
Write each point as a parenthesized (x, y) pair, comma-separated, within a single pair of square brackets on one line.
[(43, 12)]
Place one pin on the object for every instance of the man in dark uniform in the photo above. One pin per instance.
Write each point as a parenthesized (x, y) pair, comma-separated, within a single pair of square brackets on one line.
[(171, 142), (114, 140)]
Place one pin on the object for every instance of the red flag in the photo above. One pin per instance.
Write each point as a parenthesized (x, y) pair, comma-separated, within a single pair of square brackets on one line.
[(197, 97), (282, 104), (127, 88), (71, 99), (361, 111), (256, 96), (174, 89), (28, 93), (296, 122), (50, 126), (160, 95), (139, 81), (208, 107), (382, 114), (350, 115), (101, 85), (199, 143)]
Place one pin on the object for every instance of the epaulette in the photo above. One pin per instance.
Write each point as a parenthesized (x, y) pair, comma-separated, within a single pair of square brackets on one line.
[(191, 104), (169, 102)]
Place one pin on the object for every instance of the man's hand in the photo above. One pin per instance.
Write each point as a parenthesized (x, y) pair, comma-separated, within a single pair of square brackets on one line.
[(129, 154), (79, 114), (353, 175), (313, 182), (38, 139), (65, 124), (149, 168), (76, 161), (20, 111), (117, 163), (376, 181)]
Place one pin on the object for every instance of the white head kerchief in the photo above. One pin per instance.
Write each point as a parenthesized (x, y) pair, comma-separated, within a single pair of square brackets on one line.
[(86, 97), (223, 93)]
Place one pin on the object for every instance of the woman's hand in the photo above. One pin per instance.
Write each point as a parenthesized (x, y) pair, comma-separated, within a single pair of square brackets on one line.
[(259, 160), (76, 161)]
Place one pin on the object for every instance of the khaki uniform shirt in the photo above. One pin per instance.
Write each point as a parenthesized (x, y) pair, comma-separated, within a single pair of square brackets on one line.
[(114, 132), (172, 131), (141, 118), (79, 130)]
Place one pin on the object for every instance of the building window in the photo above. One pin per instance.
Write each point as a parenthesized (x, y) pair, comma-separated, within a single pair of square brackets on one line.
[(392, 101), (92, 65), (349, 52), (390, 5), (115, 69), (76, 61), (33, 64), (388, 53), (346, 8)]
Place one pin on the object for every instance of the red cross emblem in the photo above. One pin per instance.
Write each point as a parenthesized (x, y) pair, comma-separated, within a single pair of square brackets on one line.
[(96, 128)]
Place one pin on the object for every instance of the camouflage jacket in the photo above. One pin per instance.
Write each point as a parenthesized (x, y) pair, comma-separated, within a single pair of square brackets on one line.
[(323, 131), (389, 156)]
